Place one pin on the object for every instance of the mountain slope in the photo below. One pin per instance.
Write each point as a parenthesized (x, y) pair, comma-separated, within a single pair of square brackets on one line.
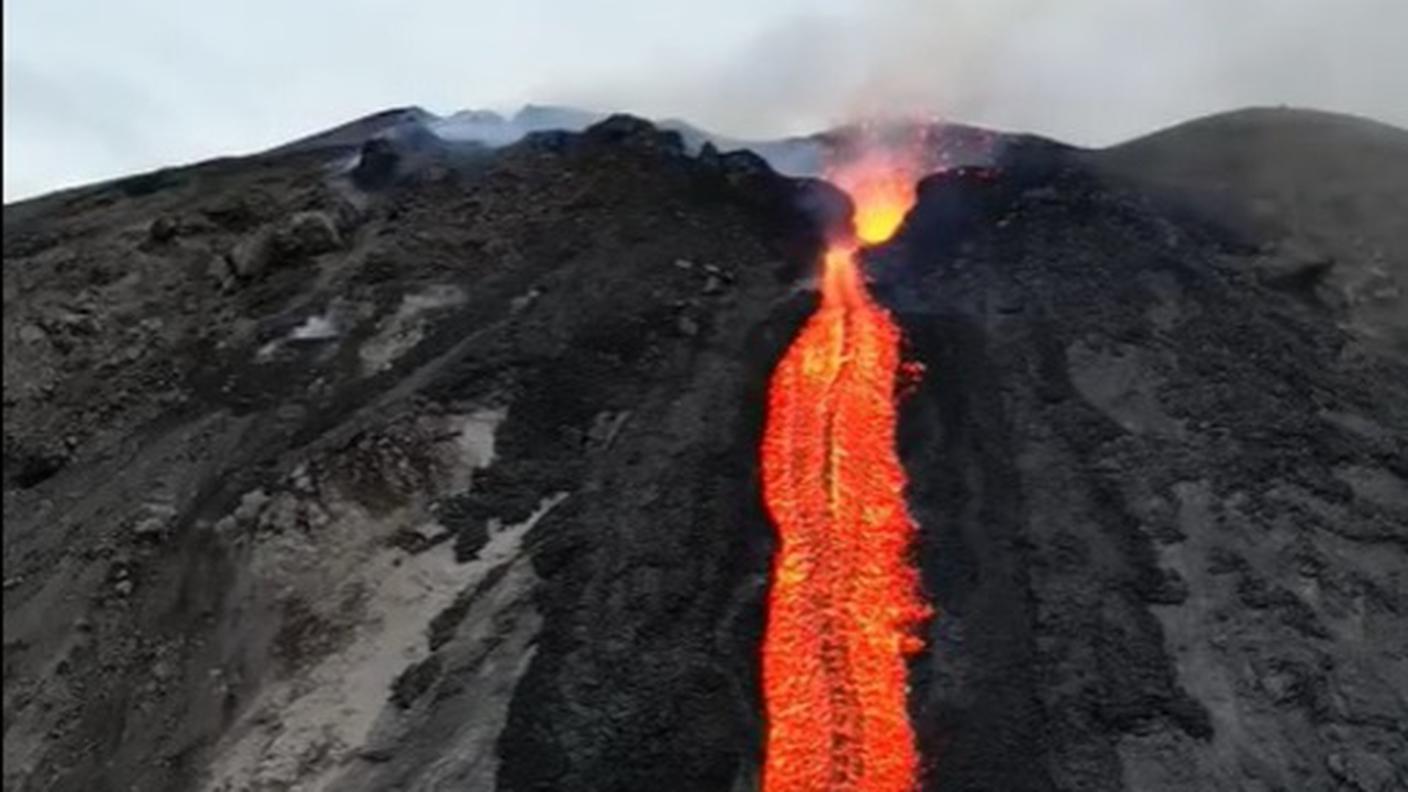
[(1323, 195)]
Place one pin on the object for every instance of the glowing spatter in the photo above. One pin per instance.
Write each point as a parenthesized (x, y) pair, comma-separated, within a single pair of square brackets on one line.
[(844, 602)]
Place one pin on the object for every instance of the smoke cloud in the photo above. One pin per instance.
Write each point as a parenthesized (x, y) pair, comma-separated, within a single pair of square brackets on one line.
[(1092, 72)]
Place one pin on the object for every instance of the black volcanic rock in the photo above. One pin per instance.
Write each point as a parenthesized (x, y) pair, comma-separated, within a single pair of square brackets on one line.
[(1111, 402), (376, 164), (456, 486)]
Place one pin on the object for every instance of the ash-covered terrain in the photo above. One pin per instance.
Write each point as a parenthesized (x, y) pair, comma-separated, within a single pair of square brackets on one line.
[(387, 462)]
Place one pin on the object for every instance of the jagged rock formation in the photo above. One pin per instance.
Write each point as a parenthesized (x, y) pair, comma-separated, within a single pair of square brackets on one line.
[(404, 465)]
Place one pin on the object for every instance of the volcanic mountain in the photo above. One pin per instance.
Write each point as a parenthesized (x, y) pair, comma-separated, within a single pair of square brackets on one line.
[(398, 460)]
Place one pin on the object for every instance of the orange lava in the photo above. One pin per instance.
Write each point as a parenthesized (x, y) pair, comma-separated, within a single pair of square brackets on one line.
[(881, 184), (844, 605)]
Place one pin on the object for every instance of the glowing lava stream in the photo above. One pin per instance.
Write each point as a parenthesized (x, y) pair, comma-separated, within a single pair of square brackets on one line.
[(844, 603)]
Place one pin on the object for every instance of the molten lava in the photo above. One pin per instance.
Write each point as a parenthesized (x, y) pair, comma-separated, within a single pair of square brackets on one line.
[(881, 184), (844, 604)]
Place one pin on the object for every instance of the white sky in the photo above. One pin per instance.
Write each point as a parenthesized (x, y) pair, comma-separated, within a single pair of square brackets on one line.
[(99, 88)]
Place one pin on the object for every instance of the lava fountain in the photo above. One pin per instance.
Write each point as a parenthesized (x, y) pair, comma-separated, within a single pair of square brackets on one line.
[(844, 605)]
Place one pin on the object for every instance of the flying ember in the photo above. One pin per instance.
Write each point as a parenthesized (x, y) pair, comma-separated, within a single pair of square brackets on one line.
[(844, 606)]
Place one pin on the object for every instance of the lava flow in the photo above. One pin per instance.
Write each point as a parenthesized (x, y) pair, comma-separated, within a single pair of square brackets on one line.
[(844, 605)]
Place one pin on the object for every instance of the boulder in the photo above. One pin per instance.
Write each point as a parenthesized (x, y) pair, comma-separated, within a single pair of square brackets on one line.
[(163, 229), (376, 166), (309, 234), (253, 255)]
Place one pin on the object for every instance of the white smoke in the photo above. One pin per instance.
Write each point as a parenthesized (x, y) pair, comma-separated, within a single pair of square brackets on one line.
[(1086, 71), (493, 129)]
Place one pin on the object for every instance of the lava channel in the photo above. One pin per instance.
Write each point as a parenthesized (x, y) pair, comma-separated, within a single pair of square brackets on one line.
[(844, 605)]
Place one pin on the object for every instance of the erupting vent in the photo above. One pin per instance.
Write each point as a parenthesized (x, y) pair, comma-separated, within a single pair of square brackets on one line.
[(844, 603)]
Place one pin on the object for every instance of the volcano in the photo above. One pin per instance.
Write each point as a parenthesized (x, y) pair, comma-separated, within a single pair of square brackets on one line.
[(618, 459)]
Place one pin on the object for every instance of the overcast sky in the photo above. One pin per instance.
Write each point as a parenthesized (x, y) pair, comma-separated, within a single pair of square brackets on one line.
[(97, 88)]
